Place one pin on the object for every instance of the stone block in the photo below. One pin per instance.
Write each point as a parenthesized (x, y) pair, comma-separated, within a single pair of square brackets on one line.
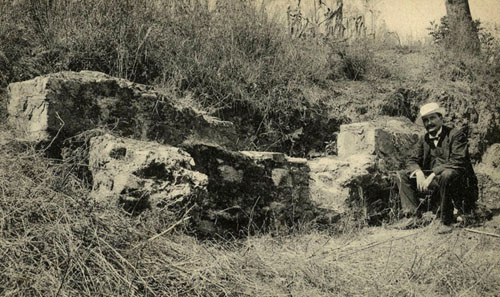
[(232, 191), (67, 103), (141, 174), (331, 178), (250, 190), (358, 181), (390, 139)]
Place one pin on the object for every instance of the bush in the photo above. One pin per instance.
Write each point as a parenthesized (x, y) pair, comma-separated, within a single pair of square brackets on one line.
[(440, 33), (355, 63)]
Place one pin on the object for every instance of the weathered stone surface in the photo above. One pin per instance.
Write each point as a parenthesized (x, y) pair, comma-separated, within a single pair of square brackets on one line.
[(233, 191), (491, 158), (77, 101), (359, 180), (251, 190), (352, 185), (330, 178), (488, 174), (143, 174), (390, 139)]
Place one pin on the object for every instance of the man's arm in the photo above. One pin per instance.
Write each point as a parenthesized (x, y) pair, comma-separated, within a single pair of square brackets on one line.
[(458, 152), (416, 158), (415, 162)]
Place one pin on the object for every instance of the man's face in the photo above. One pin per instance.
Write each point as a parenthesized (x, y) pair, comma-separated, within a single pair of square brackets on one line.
[(432, 122)]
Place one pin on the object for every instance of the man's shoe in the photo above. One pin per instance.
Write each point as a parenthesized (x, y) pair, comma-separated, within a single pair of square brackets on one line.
[(444, 229), (406, 224)]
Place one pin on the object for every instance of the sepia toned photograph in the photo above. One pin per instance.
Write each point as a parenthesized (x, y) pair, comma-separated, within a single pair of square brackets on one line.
[(250, 148)]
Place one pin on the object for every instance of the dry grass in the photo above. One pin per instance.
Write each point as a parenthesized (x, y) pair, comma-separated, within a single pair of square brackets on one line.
[(56, 242)]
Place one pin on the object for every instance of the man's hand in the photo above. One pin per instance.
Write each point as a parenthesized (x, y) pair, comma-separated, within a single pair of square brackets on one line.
[(420, 180), (428, 181)]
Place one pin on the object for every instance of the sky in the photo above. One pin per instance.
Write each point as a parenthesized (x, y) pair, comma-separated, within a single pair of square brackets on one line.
[(412, 17), (409, 18)]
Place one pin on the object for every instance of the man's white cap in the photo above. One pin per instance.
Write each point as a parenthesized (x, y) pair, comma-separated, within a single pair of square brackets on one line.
[(427, 109)]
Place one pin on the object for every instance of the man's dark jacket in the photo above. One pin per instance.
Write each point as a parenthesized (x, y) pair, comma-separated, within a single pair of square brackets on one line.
[(455, 153), (454, 145)]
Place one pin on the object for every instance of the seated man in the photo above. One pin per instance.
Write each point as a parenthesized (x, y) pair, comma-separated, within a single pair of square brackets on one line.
[(439, 164)]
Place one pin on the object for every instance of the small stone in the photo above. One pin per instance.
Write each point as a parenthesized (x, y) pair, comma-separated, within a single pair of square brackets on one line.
[(230, 174)]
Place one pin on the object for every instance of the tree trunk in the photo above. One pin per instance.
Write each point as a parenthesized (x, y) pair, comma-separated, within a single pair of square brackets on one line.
[(463, 34)]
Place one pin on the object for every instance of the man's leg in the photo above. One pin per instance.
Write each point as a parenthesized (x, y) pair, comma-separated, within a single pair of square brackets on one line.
[(471, 195), (446, 182), (408, 193)]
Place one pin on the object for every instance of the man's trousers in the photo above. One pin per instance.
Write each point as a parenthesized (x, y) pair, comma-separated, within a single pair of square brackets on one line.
[(443, 188)]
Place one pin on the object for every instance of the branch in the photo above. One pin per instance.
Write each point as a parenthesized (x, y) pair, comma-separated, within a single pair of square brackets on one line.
[(482, 232)]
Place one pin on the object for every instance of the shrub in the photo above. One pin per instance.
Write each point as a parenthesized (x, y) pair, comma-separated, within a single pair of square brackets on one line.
[(353, 61), (440, 33), (354, 64)]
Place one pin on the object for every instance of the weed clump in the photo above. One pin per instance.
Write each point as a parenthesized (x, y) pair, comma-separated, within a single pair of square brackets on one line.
[(355, 63)]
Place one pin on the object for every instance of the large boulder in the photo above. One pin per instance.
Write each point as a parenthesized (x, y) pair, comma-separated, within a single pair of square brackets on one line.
[(488, 175), (251, 191), (139, 174), (67, 103)]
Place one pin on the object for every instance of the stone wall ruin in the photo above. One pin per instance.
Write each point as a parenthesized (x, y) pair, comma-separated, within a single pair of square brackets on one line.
[(158, 153)]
